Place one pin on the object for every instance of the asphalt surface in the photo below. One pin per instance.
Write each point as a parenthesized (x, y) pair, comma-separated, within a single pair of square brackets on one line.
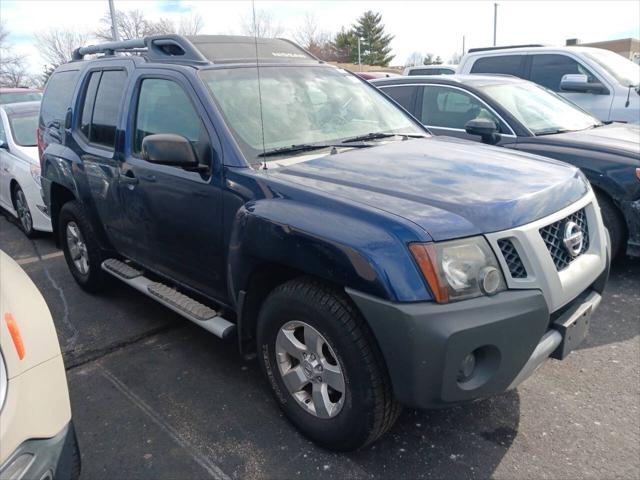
[(154, 396)]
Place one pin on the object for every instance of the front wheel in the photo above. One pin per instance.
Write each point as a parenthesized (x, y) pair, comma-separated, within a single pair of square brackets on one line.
[(80, 246), (615, 223), (324, 366)]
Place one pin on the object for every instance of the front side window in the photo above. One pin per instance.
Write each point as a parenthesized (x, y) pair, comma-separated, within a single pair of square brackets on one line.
[(300, 105), (164, 107), (504, 64), (23, 128), (106, 108), (548, 69), (539, 110), (451, 108)]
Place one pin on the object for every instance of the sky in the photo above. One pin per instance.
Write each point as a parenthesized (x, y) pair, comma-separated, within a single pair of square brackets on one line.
[(435, 27)]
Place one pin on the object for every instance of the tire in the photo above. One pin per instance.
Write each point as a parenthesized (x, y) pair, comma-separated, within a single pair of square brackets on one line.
[(366, 408), (615, 223), (85, 261), (25, 219)]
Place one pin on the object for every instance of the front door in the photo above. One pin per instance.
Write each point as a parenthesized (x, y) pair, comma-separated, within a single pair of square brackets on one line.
[(180, 211)]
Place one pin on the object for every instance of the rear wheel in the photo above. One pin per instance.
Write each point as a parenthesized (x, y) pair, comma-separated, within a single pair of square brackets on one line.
[(324, 366), (614, 222), (80, 246), (22, 210)]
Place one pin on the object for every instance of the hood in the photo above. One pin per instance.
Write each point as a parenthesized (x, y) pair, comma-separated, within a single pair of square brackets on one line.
[(619, 138), (449, 188)]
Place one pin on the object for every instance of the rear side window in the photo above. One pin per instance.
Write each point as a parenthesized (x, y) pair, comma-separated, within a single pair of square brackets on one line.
[(548, 69), (57, 98), (431, 71), (164, 107), (403, 95), (505, 64), (106, 108)]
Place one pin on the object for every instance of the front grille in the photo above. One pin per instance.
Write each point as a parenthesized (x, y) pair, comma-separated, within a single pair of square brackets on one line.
[(553, 236), (512, 257)]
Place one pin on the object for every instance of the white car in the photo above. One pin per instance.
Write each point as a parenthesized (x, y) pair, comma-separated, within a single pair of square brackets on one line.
[(603, 83), (430, 70), (37, 437), (20, 167)]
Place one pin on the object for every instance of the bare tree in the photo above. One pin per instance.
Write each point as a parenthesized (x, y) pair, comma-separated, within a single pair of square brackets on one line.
[(56, 45), (316, 41), (133, 24), (264, 25), (414, 59), (191, 24), (13, 71), (455, 58)]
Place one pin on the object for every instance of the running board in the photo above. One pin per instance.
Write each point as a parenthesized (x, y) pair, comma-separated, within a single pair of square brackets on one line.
[(180, 303)]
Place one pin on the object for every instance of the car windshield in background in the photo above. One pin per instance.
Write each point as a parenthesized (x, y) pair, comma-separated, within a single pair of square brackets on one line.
[(623, 70), (23, 128), (18, 97), (301, 106), (538, 109)]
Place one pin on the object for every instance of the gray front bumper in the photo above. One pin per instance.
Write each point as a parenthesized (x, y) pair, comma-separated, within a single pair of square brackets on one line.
[(44, 459)]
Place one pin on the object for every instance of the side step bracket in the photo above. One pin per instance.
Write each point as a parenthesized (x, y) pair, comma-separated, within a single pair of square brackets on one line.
[(180, 303)]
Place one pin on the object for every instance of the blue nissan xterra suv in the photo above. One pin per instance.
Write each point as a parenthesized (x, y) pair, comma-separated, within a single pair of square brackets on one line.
[(259, 192)]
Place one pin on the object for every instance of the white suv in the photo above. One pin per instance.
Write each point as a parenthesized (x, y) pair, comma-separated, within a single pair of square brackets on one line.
[(601, 82)]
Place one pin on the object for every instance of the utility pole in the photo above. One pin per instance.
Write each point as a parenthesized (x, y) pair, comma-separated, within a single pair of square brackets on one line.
[(463, 45), (114, 28), (495, 22), (359, 58)]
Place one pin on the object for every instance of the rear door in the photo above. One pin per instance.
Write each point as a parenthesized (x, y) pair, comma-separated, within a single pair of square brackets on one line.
[(180, 211), (95, 138)]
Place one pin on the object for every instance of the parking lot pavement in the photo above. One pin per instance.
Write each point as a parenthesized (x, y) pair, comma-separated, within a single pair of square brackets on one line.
[(154, 396)]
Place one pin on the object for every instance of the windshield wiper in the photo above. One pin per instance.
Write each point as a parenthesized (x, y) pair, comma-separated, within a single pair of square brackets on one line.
[(303, 147), (552, 131), (378, 135)]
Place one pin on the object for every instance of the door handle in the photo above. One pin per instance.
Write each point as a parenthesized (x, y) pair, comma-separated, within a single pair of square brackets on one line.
[(128, 178)]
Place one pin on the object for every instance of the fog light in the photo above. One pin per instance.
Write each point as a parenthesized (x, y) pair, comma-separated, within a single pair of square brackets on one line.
[(489, 280), (467, 367)]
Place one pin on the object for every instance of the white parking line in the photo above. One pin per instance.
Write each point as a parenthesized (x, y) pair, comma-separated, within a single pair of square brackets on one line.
[(48, 256), (199, 458)]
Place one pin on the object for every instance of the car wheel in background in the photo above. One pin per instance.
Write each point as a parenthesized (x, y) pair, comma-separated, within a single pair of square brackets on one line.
[(22, 210), (614, 222), (324, 366), (80, 246)]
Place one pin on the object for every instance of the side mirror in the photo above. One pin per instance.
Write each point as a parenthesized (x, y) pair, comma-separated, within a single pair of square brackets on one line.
[(484, 128), (578, 82), (169, 149)]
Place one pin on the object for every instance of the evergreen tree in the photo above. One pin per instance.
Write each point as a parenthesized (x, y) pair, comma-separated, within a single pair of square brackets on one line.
[(345, 46), (374, 43)]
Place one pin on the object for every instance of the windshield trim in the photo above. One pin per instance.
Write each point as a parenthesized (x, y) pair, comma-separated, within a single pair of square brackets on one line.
[(258, 162)]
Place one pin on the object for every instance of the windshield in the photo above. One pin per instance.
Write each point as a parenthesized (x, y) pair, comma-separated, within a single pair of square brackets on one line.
[(539, 109), (623, 70), (301, 105), (18, 97), (23, 128)]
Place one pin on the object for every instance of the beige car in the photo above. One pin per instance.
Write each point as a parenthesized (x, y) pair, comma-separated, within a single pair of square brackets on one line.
[(37, 438)]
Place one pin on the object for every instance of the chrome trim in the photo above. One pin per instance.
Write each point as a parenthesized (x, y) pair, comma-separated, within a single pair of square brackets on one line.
[(512, 134)]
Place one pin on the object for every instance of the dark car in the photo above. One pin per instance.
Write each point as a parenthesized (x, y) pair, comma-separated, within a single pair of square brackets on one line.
[(515, 113), (292, 204)]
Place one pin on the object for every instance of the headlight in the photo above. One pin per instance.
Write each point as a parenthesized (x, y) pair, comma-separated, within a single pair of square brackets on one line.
[(459, 269), (35, 173)]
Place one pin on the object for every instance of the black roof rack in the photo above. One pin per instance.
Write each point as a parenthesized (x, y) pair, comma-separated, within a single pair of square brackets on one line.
[(204, 49), (486, 49)]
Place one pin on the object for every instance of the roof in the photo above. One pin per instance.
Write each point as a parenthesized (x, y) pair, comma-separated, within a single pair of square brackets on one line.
[(473, 80), (433, 66), (21, 107), (205, 49), (511, 50)]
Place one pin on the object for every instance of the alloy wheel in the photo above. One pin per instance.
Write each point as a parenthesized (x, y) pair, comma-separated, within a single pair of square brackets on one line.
[(310, 369), (22, 209), (77, 248)]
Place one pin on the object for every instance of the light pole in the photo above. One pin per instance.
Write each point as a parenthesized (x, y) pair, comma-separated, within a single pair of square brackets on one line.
[(359, 57), (495, 22), (114, 27)]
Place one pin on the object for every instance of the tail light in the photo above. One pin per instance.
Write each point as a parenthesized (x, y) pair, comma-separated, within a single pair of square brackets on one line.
[(40, 144)]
